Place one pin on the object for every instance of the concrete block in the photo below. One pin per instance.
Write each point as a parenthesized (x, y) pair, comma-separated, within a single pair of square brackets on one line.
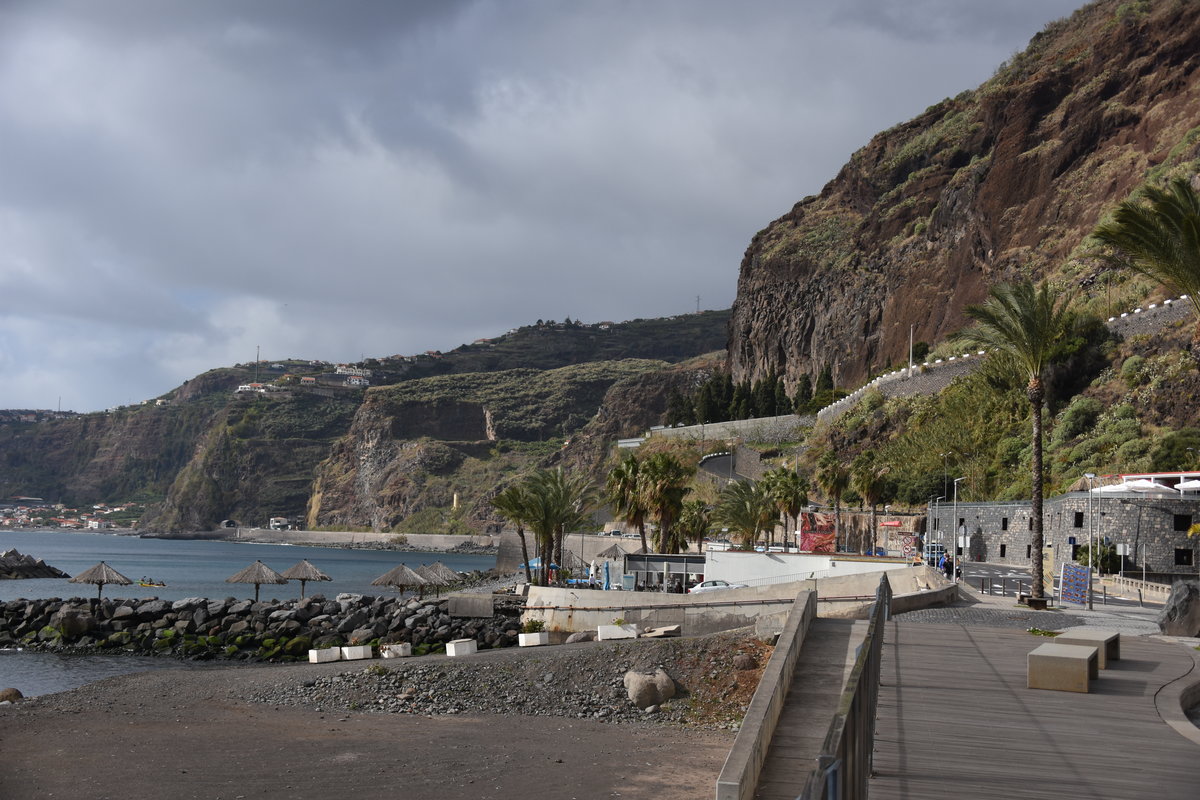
[(1061, 667), (356, 652), (1108, 643), (605, 632), (471, 606), (534, 639), (322, 656), (461, 647), (662, 633), (402, 650)]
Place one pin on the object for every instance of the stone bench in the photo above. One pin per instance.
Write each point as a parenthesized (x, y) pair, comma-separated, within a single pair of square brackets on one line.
[(1107, 642), (1062, 667)]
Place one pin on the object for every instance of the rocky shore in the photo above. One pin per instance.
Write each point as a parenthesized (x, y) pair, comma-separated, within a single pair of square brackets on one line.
[(14, 566), (197, 628)]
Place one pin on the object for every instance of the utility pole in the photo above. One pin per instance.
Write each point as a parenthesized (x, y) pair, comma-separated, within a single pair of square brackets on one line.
[(1091, 547)]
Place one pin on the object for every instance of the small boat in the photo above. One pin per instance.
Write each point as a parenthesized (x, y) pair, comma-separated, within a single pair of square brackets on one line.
[(151, 583)]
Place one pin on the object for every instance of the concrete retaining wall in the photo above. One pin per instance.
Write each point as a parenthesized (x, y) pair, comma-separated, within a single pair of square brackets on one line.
[(419, 541), (585, 609)]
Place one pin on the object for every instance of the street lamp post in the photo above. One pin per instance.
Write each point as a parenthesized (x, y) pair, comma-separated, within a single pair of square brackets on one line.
[(954, 537), (1091, 548), (937, 521)]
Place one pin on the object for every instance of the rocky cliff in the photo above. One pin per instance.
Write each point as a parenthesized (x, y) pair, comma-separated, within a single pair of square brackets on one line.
[(998, 183)]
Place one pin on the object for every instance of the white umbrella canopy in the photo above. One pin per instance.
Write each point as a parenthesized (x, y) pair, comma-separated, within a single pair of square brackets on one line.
[(257, 573), (1146, 485), (1112, 488), (1192, 485), (101, 574), (304, 572)]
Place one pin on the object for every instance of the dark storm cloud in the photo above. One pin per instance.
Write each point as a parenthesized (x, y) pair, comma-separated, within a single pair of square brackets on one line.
[(183, 181)]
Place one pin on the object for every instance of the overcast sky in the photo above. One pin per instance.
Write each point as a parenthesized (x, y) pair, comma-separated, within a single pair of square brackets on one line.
[(183, 181)]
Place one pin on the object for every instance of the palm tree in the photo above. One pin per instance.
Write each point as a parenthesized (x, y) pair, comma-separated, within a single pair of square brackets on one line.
[(514, 505), (746, 510), (623, 493), (1160, 240), (1026, 324), (834, 479), (788, 490), (561, 503), (869, 478), (662, 482), (693, 523)]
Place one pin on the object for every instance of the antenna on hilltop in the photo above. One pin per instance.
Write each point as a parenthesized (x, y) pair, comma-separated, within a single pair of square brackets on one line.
[(257, 358), (697, 304)]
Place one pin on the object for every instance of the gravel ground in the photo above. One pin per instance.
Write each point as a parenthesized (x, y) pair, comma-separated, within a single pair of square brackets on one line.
[(582, 680), (499, 724)]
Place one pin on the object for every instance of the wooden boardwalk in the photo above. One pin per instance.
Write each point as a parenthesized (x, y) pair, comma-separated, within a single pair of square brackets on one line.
[(826, 658), (956, 721)]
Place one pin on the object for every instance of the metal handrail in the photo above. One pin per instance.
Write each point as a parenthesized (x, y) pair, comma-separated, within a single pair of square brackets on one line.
[(844, 765)]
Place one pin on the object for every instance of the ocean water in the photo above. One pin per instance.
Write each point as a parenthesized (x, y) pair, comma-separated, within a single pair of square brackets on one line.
[(190, 569), (199, 568)]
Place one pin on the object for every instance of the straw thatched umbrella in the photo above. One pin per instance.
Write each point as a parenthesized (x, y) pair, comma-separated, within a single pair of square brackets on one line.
[(257, 573), (612, 551), (399, 577), (305, 572), (440, 570), (101, 574)]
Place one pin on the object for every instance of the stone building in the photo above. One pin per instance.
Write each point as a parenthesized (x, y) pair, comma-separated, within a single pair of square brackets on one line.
[(1152, 524)]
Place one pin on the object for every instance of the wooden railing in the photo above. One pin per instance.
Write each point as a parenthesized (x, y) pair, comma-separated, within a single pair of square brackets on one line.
[(844, 765)]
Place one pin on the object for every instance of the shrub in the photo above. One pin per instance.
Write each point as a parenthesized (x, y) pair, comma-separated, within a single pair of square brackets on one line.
[(1132, 371)]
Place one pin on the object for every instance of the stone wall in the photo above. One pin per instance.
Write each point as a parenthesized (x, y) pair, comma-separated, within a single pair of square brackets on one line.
[(760, 429), (1155, 528), (932, 377)]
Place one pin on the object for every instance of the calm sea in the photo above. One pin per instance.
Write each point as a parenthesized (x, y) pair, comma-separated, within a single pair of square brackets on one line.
[(190, 569)]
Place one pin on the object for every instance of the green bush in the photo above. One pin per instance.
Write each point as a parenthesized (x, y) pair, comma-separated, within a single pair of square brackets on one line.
[(1132, 371), (1078, 418)]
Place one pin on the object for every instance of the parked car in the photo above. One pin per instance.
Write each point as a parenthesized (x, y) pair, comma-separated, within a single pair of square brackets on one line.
[(714, 586)]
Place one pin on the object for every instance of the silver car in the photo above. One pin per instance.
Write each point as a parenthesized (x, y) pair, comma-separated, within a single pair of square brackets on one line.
[(715, 585)]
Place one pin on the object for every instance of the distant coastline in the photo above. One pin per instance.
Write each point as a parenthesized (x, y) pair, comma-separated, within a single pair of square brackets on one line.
[(400, 542)]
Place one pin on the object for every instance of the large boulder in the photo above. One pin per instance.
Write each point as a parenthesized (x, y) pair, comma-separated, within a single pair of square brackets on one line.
[(1181, 614), (10, 695), (647, 690), (72, 622)]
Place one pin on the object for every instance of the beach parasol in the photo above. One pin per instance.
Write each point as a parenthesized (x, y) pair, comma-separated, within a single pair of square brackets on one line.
[(612, 551), (304, 572), (399, 577), (432, 578), (440, 570), (257, 573), (101, 574)]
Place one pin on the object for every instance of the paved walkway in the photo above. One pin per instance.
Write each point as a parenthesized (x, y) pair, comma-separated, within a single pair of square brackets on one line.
[(957, 721), (826, 658)]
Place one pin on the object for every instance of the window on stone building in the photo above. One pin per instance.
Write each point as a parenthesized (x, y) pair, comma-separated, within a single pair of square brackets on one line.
[(1029, 551), (1183, 522), (936, 526), (1004, 523), (1183, 557), (1078, 519), (1003, 550), (1031, 523)]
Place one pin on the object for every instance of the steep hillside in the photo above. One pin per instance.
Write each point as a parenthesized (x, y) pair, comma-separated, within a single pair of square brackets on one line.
[(415, 448), (1000, 182), (208, 455)]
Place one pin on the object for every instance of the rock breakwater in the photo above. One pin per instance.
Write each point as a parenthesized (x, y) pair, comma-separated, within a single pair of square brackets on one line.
[(14, 566), (244, 630)]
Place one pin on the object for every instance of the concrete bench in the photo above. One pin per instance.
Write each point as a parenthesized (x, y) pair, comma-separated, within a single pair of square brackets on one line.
[(1062, 667), (1107, 642)]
